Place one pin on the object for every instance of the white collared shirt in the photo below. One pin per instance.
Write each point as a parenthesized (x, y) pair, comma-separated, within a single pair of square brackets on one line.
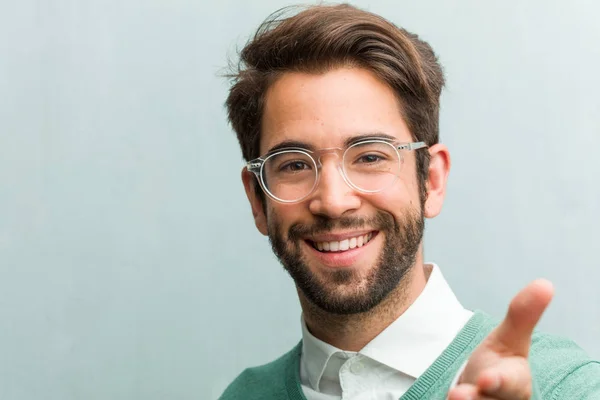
[(388, 365)]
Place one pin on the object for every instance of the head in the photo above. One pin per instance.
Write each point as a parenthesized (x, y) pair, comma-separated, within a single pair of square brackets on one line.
[(325, 78)]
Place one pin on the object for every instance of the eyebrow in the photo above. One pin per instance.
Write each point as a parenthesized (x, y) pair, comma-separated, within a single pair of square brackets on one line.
[(287, 144), (373, 135)]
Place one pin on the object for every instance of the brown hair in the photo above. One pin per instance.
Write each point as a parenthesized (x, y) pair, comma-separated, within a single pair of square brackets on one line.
[(324, 37)]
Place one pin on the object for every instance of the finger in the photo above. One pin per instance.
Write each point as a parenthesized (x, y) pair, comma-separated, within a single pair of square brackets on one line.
[(510, 379), (524, 312), (464, 391)]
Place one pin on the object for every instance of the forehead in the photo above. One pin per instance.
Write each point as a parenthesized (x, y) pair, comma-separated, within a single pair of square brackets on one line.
[(326, 110)]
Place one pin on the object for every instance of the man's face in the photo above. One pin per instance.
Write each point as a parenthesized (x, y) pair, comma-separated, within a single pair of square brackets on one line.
[(324, 111)]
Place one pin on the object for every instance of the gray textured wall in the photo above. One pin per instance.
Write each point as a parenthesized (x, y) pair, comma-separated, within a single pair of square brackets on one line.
[(129, 264)]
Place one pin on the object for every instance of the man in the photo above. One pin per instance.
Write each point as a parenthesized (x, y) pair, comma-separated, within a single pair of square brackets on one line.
[(336, 111)]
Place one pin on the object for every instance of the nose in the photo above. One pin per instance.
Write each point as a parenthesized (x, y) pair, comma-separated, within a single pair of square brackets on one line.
[(333, 197)]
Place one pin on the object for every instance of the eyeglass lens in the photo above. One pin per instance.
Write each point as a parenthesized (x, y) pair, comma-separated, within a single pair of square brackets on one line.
[(291, 175)]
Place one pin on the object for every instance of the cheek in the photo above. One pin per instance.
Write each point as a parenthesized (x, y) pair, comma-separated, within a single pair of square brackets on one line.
[(396, 199), (283, 216), (408, 190)]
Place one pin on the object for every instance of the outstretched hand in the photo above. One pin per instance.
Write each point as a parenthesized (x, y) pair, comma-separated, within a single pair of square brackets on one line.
[(498, 368)]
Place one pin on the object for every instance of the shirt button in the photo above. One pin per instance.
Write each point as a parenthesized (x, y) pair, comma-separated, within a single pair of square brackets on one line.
[(356, 367)]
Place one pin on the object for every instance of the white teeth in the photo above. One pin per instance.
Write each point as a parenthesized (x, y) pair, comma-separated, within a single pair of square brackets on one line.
[(345, 244)]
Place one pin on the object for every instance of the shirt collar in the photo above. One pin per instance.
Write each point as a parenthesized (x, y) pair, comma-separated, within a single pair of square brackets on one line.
[(410, 344), (316, 355)]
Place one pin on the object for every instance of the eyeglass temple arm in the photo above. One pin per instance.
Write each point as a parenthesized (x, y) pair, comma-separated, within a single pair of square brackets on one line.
[(254, 165), (412, 146)]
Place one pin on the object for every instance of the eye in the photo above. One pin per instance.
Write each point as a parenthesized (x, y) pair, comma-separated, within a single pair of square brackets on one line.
[(294, 166), (369, 159)]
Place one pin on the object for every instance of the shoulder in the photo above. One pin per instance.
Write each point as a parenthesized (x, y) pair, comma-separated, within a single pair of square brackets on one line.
[(266, 381), (559, 365)]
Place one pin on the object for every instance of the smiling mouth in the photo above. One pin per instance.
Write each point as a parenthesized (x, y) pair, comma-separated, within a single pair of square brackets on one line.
[(343, 245)]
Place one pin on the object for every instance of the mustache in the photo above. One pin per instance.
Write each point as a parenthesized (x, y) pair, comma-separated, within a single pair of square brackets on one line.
[(380, 222)]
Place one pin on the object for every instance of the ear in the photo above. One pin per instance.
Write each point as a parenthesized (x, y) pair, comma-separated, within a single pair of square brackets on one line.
[(260, 219), (439, 168)]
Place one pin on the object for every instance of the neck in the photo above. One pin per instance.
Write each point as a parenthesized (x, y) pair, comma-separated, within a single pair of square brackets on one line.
[(353, 332)]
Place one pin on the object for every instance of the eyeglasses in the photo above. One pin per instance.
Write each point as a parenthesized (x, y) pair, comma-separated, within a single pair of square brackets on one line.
[(368, 166)]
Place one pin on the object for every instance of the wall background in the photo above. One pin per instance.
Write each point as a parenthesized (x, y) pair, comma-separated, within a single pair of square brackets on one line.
[(129, 264)]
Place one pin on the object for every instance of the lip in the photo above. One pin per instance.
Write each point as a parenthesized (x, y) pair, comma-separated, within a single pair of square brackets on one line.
[(338, 237), (341, 259)]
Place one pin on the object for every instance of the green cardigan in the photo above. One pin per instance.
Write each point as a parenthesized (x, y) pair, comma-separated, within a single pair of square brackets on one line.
[(561, 370)]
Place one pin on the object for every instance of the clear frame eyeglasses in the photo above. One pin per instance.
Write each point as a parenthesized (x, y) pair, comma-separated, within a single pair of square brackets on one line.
[(369, 166)]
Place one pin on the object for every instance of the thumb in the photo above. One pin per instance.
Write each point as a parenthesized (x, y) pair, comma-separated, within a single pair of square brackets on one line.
[(524, 312)]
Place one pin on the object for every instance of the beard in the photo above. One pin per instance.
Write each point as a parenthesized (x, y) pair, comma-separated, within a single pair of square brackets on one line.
[(346, 291)]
